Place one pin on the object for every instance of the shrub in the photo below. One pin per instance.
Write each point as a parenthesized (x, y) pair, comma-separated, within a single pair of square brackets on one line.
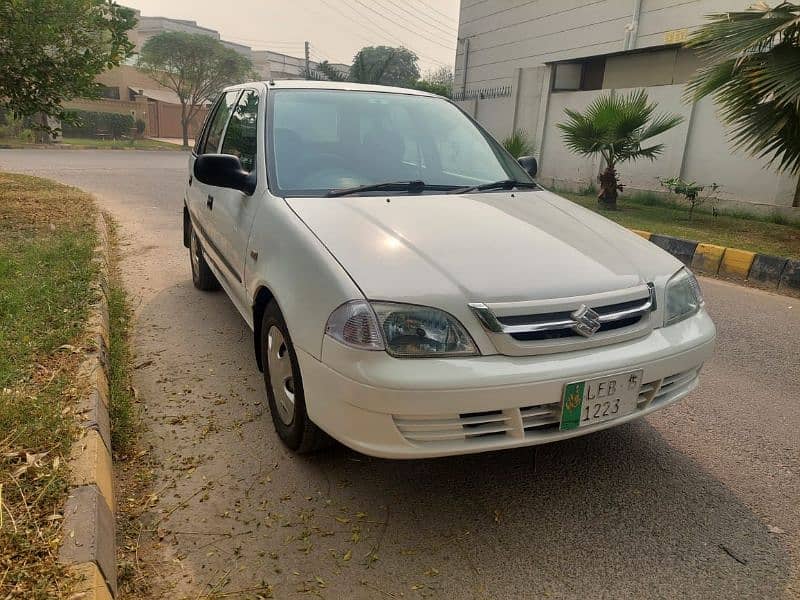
[(434, 88), (84, 123), (519, 144), (13, 127), (140, 127), (692, 192)]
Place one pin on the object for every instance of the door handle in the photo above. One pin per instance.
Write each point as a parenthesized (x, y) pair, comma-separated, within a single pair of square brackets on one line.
[(210, 202)]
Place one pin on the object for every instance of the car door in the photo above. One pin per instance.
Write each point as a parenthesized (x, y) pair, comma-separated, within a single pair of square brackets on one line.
[(201, 198), (234, 210)]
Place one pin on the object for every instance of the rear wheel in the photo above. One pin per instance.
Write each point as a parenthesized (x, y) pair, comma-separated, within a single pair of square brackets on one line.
[(202, 276), (284, 386)]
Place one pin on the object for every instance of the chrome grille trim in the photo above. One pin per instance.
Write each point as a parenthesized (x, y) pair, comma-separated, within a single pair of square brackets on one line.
[(490, 321)]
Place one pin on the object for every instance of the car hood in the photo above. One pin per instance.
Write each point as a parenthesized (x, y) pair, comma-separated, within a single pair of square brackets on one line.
[(483, 247)]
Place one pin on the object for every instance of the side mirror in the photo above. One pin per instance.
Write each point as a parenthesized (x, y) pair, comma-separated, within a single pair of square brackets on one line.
[(529, 164), (225, 171)]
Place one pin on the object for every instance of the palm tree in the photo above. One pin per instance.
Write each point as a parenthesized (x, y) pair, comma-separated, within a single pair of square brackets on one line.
[(615, 126), (752, 69), (519, 144)]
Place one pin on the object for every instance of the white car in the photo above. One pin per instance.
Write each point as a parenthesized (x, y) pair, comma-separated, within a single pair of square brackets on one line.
[(412, 291)]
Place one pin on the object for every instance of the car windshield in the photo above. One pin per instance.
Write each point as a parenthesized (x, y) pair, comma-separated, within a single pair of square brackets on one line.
[(325, 140)]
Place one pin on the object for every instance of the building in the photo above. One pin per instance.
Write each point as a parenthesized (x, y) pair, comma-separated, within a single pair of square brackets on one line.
[(519, 64), (128, 91)]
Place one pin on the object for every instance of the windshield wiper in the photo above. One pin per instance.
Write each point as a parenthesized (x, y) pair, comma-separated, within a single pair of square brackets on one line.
[(503, 184), (411, 187)]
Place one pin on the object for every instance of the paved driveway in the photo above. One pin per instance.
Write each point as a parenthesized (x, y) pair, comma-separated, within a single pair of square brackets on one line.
[(698, 501)]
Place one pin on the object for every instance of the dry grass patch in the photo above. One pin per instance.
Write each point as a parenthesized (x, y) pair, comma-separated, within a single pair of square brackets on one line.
[(47, 240)]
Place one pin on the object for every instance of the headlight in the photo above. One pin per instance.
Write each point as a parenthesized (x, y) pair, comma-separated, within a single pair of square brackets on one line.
[(403, 330), (683, 297), (411, 331)]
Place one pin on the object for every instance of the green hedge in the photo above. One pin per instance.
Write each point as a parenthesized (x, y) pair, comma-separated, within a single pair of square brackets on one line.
[(88, 124)]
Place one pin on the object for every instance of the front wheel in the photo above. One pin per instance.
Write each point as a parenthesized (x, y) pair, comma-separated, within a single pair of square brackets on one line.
[(202, 276), (284, 386)]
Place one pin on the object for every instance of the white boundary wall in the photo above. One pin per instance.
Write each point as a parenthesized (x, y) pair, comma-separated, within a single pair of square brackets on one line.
[(697, 150)]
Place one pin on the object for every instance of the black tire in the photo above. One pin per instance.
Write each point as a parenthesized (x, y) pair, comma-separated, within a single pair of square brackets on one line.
[(293, 426), (202, 277)]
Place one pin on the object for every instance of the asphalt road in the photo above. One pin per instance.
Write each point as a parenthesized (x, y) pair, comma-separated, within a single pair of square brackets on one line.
[(701, 500)]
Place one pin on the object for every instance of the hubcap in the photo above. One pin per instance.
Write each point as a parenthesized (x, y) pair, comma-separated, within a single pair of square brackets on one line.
[(195, 253), (281, 378)]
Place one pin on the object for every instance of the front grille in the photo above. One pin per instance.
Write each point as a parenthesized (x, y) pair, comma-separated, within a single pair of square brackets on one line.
[(528, 422), (664, 390), (540, 417), (478, 426), (557, 334), (547, 326), (467, 426), (567, 331)]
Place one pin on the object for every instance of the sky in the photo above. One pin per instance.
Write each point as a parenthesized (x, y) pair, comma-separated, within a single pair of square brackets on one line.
[(336, 29)]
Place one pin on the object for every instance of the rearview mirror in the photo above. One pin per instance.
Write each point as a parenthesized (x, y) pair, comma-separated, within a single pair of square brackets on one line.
[(529, 164), (225, 171)]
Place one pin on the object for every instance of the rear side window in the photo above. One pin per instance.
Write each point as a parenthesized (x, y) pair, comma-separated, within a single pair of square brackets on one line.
[(217, 126), (241, 136)]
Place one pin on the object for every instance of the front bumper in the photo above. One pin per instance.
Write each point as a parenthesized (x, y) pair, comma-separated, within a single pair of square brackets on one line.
[(418, 408)]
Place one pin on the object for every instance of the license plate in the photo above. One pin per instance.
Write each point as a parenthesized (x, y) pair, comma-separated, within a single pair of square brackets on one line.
[(596, 400)]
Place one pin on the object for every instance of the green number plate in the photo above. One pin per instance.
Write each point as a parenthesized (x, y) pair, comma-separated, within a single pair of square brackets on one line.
[(593, 401)]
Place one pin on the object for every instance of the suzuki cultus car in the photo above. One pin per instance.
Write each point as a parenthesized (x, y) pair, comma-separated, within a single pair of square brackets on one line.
[(412, 291)]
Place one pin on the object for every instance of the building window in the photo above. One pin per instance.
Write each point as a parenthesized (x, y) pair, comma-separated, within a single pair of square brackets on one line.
[(580, 75), (110, 93)]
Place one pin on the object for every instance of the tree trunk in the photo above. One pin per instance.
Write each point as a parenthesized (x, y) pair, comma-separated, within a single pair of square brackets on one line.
[(42, 134), (796, 201), (185, 125), (609, 188)]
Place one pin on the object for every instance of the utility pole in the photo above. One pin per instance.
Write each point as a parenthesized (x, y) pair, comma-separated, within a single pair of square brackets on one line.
[(308, 60), (466, 64)]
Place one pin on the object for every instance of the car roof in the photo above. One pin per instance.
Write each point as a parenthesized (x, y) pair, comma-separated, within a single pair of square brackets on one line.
[(303, 84)]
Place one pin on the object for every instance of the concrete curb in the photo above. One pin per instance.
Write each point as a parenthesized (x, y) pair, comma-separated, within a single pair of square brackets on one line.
[(88, 547), (774, 273)]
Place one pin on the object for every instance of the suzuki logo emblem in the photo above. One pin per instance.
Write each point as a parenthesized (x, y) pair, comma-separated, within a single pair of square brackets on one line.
[(587, 321)]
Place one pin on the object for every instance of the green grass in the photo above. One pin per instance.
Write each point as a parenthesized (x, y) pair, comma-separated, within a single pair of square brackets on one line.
[(123, 418), (47, 242), (90, 143), (119, 144), (650, 212)]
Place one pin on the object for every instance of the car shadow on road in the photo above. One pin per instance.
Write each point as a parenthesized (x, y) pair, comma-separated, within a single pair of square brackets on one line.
[(620, 513)]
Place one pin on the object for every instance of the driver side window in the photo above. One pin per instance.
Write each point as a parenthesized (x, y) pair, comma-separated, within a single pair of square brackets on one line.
[(217, 126), (242, 135)]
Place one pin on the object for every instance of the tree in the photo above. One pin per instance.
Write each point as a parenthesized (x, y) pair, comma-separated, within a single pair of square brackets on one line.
[(385, 65), (52, 50), (433, 88), (443, 76), (194, 66), (615, 126), (752, 68), (329, 72)]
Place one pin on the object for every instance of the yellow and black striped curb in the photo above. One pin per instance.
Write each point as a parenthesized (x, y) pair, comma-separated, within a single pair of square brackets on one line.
[(88, 546), (775, 273)]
